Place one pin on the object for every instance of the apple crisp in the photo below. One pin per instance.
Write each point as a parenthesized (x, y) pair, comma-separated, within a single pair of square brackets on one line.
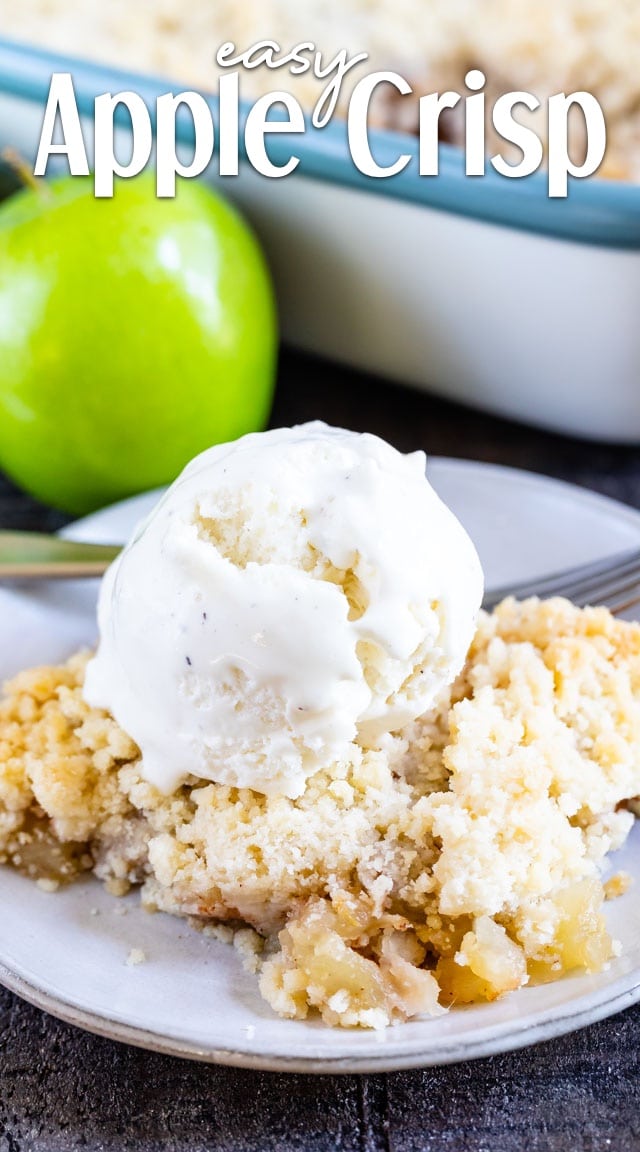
[(459, 861), (545, 47)]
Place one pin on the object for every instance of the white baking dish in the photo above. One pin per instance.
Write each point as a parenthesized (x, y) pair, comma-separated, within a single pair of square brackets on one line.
[(480, 290)]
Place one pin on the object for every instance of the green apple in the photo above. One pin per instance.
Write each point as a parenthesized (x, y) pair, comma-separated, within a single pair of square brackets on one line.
[(134, 333)]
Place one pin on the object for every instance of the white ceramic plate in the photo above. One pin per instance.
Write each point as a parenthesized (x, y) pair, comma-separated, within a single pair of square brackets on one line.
[(66, 952)]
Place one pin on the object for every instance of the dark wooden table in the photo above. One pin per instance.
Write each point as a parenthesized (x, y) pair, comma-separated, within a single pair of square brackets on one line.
[(61, 1089)]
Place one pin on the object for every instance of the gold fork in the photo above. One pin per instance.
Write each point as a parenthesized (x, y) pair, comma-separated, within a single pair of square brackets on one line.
[(40, 556), (613, 581)]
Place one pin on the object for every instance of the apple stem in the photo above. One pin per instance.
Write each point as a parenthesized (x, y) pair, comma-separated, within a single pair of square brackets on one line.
[(24, 173)]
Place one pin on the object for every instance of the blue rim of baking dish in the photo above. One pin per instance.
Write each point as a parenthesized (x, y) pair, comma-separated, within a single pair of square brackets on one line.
[(599, 212)]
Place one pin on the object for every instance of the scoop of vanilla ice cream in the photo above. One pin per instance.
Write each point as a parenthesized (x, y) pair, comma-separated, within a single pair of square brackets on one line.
[(292, 592)]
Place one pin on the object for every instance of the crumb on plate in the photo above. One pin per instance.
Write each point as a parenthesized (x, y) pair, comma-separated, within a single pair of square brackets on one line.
[(136, 956)]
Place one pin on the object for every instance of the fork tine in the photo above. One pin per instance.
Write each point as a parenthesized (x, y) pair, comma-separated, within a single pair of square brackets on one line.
[(606, 588), (607, 583), (596, 582), (624, 605)]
